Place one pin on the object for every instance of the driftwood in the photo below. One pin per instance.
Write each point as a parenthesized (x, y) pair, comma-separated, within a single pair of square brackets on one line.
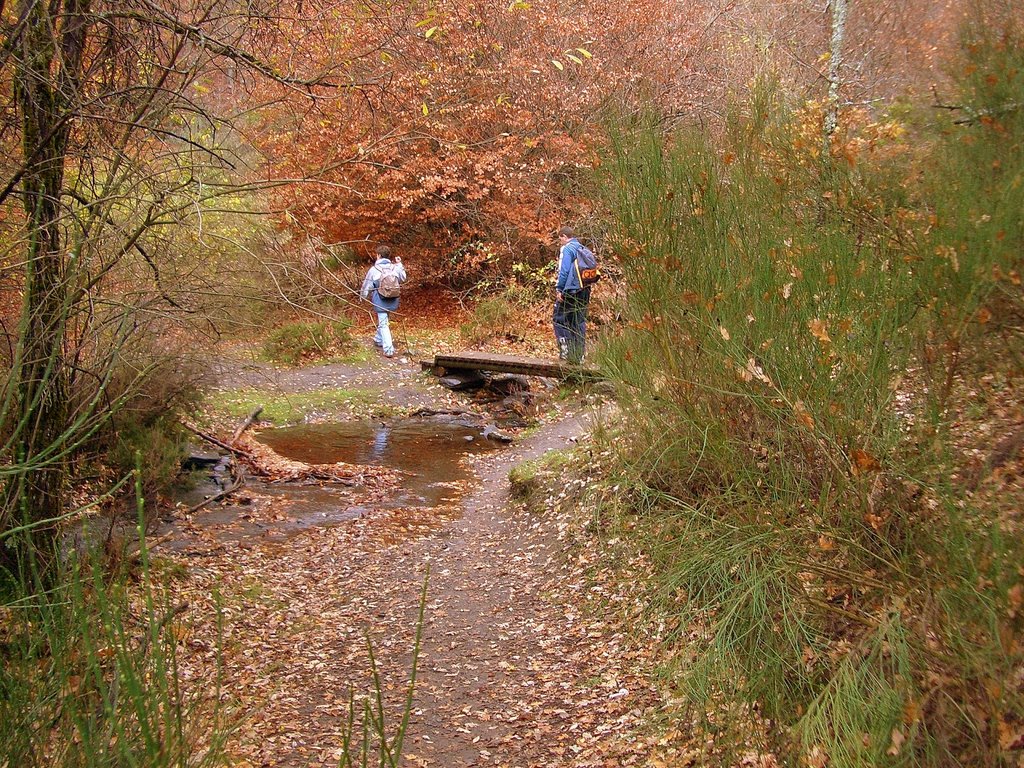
[(249, 421), (218, 443), (216, 497), (136, 555), (452, 412), (315, 474), (239, 478), (275, 468), (152, 544)]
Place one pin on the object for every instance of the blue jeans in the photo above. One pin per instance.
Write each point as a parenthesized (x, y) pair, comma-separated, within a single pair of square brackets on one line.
[(382, 337), (570, 320)]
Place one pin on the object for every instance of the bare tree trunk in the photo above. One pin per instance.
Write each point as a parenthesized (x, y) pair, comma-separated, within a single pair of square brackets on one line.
[(49, 55), (114, 156), (835, 64)]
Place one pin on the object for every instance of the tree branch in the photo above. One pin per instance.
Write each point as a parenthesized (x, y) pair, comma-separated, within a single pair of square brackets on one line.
[(197, 36)]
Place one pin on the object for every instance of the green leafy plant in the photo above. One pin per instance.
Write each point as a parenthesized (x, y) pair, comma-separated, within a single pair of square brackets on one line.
[(492, 317), (531, 284)]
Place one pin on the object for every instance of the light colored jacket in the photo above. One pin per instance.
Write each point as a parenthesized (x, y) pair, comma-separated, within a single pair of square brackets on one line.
[(568, 280), (372, 281)]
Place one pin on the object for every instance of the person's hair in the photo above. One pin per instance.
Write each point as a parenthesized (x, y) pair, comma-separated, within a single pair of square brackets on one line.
[(383, 252), (567, 232)]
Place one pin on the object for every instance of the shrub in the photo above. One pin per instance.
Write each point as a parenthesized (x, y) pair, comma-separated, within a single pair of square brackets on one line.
[(299, 341), (492, 318), (152, 392), (531, 285), (791, 345)]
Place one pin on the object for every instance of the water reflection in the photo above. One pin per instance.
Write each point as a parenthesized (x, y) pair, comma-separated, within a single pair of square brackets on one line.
[(380, 443), (428, 453)]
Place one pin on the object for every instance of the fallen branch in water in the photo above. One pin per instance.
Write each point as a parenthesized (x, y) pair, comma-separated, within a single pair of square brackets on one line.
[(216, 497), (249, 421), (213, 440), (452, 412), (278, 469)]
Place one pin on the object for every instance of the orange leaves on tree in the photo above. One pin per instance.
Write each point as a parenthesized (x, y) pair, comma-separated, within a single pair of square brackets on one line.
[(470, 130)]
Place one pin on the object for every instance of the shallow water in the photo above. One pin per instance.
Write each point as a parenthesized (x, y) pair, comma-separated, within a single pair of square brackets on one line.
[(427, 454), (422, 447)]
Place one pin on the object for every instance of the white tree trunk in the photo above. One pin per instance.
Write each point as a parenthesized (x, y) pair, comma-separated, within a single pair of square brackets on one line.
[(835, 63)]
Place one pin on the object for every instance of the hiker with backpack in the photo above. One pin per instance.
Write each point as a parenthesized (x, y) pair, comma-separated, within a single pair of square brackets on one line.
[(577, 272), (382, 286)]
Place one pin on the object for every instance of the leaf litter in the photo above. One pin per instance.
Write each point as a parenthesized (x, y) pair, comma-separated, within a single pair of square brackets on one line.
[(518, 666)]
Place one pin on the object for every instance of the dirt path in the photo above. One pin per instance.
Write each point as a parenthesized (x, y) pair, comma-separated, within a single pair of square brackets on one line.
[(513, 671), (515, 674)]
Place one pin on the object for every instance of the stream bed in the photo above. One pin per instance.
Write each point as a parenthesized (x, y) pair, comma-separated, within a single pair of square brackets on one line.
[(428, 454)]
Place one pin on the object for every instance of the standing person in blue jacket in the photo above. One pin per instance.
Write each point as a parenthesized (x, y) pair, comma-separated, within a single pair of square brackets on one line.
[(571, 299), (381, 286)]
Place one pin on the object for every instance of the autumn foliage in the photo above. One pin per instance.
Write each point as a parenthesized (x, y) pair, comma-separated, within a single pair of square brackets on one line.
[(477, 125), (816, 340), (467, 128)]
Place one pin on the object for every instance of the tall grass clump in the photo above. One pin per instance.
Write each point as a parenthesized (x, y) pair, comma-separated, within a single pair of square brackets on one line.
[(792, 344), (89, 670), (493, 317), (301, 340)]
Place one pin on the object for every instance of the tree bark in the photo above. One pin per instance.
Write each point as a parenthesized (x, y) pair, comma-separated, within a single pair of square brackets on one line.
[(48, 61), (835, 63), (249, 421)]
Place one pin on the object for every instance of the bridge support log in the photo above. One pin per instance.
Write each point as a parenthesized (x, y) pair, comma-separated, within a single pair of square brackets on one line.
[(527, 366)]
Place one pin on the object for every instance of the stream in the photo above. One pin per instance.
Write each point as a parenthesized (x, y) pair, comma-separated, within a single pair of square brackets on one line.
[(432, 455)]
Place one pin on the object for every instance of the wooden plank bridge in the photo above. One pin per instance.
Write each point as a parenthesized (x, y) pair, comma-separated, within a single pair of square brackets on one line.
[(527, 366)]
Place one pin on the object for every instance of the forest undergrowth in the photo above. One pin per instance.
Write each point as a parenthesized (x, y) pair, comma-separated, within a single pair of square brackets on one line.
[(819, 367)]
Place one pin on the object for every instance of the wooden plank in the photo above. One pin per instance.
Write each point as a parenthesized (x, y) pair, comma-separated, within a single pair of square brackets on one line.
[(528, 366)]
